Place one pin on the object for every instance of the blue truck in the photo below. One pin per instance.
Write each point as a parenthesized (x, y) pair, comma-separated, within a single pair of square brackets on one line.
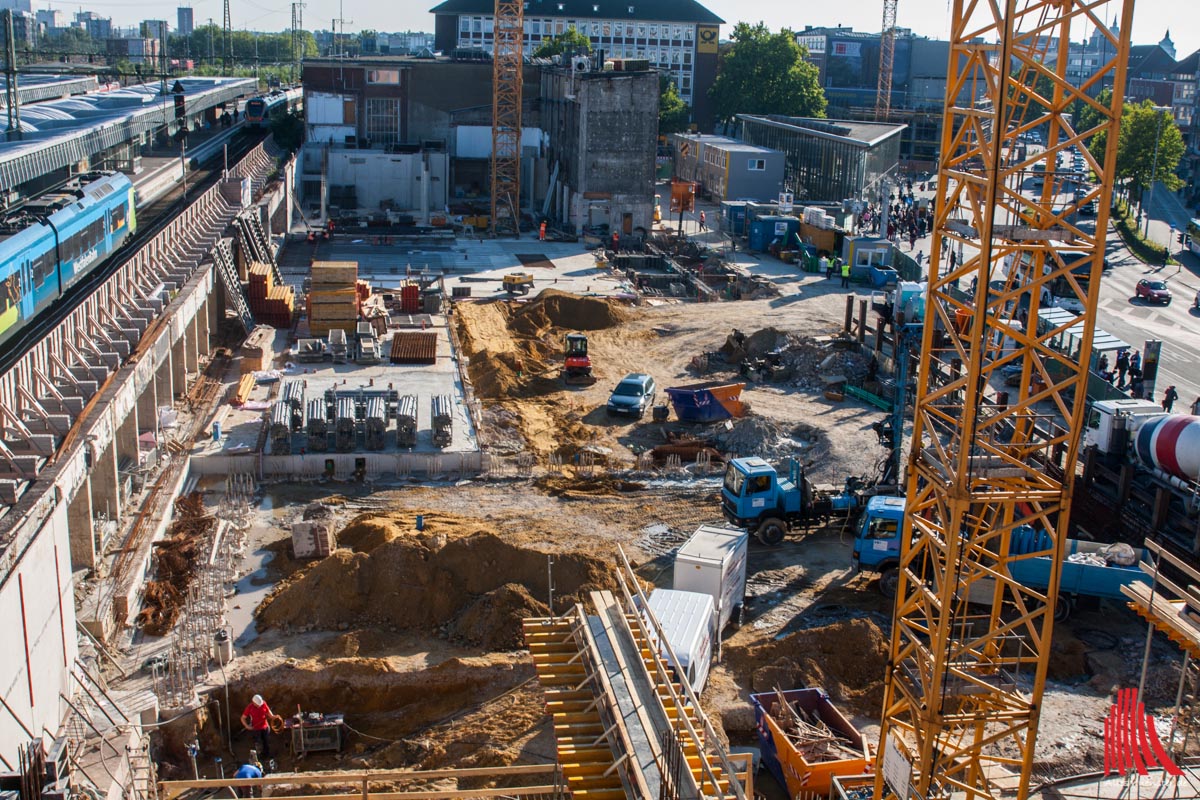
[(877, 549), (756, 498)]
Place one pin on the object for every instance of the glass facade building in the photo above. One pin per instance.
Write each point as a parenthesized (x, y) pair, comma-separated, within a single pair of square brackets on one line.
[(827, 160)]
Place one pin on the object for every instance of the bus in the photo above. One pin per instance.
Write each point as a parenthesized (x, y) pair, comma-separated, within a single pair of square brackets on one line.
[(1193, 236)]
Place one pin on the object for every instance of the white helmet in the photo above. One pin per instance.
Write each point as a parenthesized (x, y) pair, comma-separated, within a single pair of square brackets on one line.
[(257, 700)]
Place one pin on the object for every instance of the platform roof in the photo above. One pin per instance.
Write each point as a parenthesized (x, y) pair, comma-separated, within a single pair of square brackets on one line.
[(61, 133), (38, 88)]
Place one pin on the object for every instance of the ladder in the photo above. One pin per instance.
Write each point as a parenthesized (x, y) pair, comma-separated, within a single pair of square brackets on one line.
[(227, 272)]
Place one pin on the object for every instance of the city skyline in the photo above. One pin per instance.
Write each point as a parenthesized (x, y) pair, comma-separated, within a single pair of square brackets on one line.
[(925, 17)]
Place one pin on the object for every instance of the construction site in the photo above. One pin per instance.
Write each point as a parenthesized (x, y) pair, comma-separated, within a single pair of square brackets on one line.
[(646, 517)]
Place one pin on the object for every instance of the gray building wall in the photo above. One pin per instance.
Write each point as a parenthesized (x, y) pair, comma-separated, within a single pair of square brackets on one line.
[(603, 128), (721, 167)]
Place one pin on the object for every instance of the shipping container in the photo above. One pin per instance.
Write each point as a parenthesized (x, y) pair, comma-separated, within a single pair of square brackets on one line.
[(713, 562), (688, 621)]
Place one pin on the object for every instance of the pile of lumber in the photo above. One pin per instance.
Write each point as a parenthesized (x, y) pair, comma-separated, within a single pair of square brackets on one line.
[(270, 302), (335, 297), (244, 388), (815, 741)]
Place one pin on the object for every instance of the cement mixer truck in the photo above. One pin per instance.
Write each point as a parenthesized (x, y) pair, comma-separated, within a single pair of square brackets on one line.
[(1146, 465)]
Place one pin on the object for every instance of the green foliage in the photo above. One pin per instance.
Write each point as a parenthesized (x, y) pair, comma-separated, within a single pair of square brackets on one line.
[(673, 113), (205, 46), (288, 130), (569, 41), (1140, 126), (766, 73)]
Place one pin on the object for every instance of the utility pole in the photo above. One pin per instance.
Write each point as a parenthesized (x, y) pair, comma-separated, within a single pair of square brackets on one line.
[(212, 58), (10, 72), (227, 44)]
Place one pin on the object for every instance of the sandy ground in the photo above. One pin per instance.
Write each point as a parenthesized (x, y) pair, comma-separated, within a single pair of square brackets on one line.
[(410, 632)]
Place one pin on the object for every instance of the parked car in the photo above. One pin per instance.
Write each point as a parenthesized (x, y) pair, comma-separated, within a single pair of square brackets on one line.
[(1154, 291), (1196, 302), (1088, 209), (1072, 304), (633, 395)]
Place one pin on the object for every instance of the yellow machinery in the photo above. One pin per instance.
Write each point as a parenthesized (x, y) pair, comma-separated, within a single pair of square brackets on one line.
[(955, 721), (518, 282)]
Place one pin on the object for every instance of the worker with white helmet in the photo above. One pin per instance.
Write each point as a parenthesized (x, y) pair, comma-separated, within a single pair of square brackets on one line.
[(257, 719)]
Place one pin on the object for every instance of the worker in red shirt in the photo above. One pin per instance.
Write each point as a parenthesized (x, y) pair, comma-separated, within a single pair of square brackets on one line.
[(257, 719)]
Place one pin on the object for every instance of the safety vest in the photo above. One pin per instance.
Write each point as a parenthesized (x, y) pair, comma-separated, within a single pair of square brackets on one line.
[(845, 270)]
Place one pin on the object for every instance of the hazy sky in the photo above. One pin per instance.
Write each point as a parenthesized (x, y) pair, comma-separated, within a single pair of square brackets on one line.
[(926, 17)]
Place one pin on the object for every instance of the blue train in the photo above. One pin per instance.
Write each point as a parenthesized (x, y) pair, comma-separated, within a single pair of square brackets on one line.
[(51, 243), (264, 108)]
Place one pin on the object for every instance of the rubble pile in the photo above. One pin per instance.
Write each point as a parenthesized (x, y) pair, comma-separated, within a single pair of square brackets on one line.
[(770, 355), (755, 435)]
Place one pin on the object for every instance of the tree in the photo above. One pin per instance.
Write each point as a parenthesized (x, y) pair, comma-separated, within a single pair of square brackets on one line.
[(766, 73), (1136, 163), (673, 113), (569, 41)]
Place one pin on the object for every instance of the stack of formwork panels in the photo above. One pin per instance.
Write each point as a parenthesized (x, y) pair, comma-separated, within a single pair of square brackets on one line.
[(270, 302), (333, 300)]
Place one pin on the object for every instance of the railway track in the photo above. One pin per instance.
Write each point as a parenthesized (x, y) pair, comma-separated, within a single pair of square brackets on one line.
[(152, 218)]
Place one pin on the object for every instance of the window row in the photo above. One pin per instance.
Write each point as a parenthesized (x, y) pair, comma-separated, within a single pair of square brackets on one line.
[(554, 27)]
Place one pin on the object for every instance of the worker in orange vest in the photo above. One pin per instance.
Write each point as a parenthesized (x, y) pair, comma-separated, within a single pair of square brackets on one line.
[(542, 232), (616, 241)]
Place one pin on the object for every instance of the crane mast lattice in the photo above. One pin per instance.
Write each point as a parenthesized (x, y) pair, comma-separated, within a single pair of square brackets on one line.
[(983, 466), (507, 60), (887, 56)]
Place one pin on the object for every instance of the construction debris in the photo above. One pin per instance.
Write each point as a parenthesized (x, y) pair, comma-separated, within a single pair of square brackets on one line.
[(174, 561)]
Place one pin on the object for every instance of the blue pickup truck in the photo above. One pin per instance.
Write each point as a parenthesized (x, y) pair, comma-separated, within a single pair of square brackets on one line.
[(877, 549)]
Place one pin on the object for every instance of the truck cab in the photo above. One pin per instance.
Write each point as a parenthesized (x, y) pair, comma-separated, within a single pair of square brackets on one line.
[(877, 544), (1110, 422), (754, 495)]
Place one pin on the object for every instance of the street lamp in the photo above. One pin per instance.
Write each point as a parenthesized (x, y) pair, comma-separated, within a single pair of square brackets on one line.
[(1154, 169)]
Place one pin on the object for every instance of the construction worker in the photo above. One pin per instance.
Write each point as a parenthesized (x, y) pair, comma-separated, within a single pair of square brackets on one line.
[(616, 241), (257, 719), (703, 222), (845, 275), (542, 231), (250, 769)]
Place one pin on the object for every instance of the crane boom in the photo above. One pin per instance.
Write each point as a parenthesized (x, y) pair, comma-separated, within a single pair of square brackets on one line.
[(984, 467), (887, 57), (507, 61)]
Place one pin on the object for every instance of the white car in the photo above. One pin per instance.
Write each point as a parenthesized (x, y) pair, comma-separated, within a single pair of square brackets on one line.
[(1072, 304)]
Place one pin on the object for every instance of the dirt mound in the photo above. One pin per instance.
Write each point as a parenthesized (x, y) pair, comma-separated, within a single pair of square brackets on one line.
[(848, 659), (493, 620), (404, 578), (568, 487), (555, 309)]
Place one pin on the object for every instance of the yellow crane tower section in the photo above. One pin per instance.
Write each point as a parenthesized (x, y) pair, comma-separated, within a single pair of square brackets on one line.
[(985, 468), (887, 57), (507, 61)]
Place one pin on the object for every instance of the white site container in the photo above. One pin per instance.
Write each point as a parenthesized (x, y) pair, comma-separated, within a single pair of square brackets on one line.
[(713, 562), (687, 620)]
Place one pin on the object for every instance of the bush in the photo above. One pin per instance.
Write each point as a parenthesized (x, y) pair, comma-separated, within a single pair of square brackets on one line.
[(1143, 249)]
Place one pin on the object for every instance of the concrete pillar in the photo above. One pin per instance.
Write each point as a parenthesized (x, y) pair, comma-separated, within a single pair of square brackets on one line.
[(126, 439), (164, 392), (106, 497), (203, 342), (179, 384), (147, 409), (191, 349), (80, 529)]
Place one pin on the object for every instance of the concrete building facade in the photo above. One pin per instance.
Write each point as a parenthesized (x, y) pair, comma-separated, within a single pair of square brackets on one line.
[(677, 37), (185, 21), (602, 129), (727, 169)]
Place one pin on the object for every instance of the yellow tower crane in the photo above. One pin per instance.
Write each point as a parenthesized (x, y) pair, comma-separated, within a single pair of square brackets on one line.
[(887, 56), (507, 61), (956, 721)]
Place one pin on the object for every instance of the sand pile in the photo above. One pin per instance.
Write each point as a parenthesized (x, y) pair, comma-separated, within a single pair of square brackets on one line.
[(848, 659), (555, 309), (457, 577)]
